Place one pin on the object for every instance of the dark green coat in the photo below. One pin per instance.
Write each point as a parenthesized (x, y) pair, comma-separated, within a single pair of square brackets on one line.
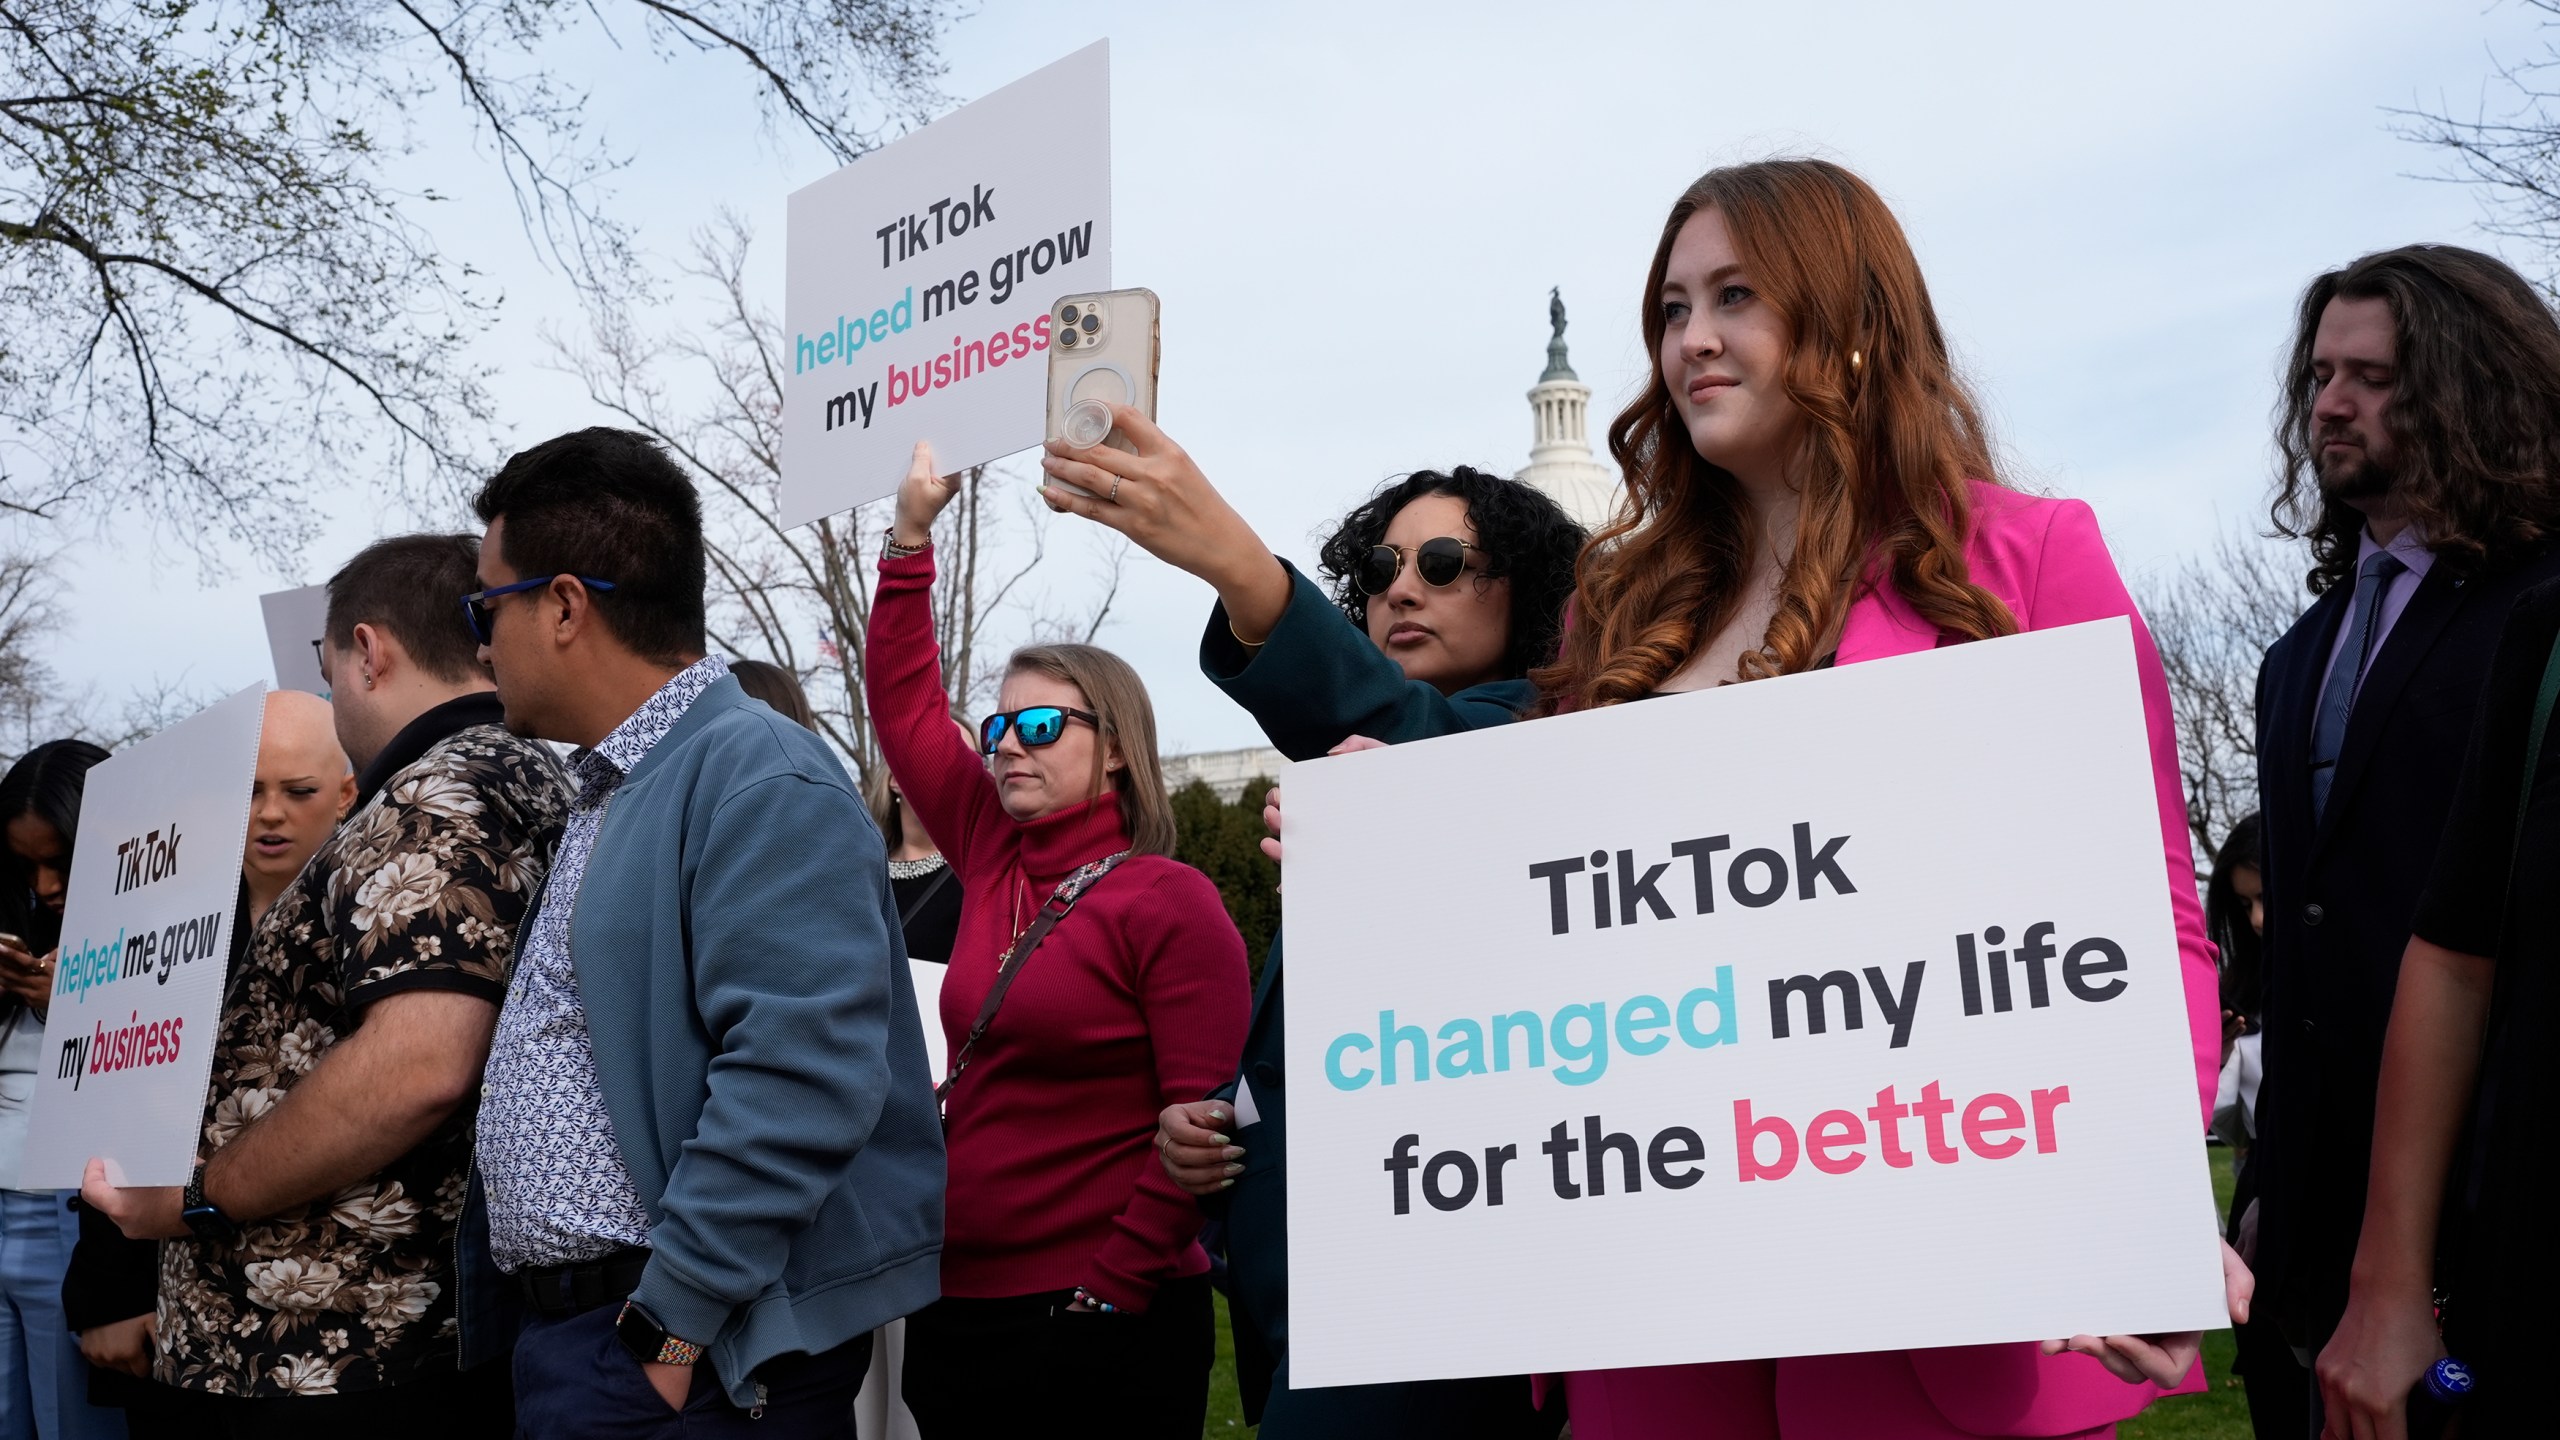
[(1316, 682)]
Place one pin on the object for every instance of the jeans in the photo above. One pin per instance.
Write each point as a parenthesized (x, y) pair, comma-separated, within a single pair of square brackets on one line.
[(44, 1384)]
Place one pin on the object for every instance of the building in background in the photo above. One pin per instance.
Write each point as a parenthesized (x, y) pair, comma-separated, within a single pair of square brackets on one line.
[(1560, 463), (1560, 459)]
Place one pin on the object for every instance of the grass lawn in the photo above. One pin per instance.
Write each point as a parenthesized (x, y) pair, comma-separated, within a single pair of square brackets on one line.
[(2221, 1413)]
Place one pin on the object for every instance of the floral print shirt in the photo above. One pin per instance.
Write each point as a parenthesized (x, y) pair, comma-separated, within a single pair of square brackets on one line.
[(422, 888)]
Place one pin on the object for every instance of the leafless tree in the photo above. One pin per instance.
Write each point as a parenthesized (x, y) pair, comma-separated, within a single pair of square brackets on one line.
[(2509, 145), (802, 598), (2213, 619), (215, 282)]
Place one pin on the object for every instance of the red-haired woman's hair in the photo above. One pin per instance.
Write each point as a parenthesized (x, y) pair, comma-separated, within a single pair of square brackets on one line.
[(1891, 441)]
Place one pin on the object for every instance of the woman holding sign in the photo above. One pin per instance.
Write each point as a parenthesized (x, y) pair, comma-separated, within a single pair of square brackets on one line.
[(1093, 981), (1454, 586), (1809, 484), (44, 1384)]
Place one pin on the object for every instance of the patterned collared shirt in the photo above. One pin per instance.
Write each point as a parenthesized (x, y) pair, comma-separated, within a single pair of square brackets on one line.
[(422, 889), (559, 1191)]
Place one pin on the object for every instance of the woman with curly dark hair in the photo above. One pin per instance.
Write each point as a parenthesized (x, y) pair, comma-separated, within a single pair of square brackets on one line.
[(1454, 583)]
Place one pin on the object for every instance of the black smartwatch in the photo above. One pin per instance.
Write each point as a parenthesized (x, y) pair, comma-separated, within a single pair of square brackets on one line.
[(648, 1341), (203, 1216)]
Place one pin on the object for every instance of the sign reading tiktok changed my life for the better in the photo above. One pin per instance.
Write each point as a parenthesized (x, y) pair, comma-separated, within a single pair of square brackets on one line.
[(918, 282), (146, 941), (1838, 1012)]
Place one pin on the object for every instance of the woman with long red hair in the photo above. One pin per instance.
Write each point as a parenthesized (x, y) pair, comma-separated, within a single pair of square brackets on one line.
[(1808, 483)]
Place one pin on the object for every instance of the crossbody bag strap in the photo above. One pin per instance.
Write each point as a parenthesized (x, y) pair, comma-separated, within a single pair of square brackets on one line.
[(1061, 900), (2544, 701), (907, 916)]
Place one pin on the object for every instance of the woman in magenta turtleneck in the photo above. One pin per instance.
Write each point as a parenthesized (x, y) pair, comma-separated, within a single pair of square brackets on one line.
[(1075, 1291)]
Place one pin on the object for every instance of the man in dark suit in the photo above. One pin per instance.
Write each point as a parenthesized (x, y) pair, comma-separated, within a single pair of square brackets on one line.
[(2421, 447)]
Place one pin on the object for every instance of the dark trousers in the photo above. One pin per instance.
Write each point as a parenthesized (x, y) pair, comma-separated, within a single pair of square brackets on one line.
[(574, 1381), (438, 1405), (1026, 1365)]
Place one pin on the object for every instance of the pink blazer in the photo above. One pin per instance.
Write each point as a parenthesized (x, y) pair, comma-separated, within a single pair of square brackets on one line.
[(2045, 559)]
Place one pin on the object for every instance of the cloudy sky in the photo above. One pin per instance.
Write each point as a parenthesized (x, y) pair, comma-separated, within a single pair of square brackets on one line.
[(1353, 214)]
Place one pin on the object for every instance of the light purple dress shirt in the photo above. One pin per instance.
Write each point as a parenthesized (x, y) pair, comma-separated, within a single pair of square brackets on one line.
[(2410, 549)]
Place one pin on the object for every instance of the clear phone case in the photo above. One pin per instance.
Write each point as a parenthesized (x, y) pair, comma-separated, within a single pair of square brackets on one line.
[(1103, 349)]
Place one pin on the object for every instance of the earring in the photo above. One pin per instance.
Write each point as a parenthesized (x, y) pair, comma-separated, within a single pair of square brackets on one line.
[(1854, 359)]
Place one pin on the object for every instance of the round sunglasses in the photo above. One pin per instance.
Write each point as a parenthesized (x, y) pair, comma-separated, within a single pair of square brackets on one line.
[(1033, 725), (1439, 560)]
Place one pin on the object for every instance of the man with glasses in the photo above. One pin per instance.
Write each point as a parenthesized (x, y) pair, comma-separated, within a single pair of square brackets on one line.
[(707, 1130), (311, 1281)]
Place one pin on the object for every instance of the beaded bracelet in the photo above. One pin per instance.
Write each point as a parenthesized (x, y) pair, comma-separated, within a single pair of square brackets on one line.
[(1087, 1297)]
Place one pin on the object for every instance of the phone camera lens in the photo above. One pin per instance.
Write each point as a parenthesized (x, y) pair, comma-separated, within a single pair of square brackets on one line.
[(1068, 315), (1067, 338), (1092, 323)]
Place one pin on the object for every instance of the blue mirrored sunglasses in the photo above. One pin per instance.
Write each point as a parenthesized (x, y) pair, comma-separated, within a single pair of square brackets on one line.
[(1035, 725), (475, 606)]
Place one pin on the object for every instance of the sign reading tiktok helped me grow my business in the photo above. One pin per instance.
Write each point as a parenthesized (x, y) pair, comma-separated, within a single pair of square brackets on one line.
[(1838, 1012), (918, 285), (146, 939)]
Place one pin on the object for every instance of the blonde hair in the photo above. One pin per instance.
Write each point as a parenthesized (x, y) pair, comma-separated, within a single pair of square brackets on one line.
[(1114, 692)]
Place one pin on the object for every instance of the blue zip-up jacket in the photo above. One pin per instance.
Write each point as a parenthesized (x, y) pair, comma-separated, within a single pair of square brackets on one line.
[(757, 1040)]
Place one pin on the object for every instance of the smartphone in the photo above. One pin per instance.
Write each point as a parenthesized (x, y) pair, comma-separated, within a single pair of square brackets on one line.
[(1103, 350)]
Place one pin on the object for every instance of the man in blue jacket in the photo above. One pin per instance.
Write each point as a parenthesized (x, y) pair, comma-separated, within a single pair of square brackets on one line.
[(707, 1132)]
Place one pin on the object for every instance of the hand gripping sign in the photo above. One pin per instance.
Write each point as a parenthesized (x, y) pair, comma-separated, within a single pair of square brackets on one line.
[(1831, 1013), (918, 284), (146, 940)]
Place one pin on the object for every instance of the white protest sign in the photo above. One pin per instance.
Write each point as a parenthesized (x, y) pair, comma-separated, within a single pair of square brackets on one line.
[(296, 618), (146, 941), (928, 981), (918, 282), (1833, 1013)]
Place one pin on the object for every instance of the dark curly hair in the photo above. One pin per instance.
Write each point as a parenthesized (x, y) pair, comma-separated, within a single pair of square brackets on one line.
[(1527, 537), (2474, 414)]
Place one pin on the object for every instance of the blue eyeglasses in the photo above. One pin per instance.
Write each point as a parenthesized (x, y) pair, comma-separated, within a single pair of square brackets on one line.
[(1034, 725), (475, 606)]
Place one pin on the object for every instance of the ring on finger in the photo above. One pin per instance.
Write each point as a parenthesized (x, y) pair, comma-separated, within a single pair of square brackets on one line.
[(1115, 489)]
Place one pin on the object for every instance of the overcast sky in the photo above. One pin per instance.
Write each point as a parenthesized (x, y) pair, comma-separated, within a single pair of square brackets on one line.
[(1353, 214)]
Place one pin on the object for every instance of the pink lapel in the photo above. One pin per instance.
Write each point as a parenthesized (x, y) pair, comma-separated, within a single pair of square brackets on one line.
[(1882, 623)]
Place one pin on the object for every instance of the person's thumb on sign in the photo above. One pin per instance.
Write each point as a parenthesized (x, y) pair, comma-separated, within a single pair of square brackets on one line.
[(144, 1212), (2164, 1360), (921, 497), (1271, 801)]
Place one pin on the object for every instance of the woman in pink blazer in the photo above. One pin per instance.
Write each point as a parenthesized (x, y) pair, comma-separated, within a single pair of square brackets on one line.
[(1808, 484)]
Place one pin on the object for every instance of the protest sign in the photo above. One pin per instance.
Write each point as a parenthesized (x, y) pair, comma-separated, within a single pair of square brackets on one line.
[(1831, 1013), (918, 282), (295, 619), (146, 941), (928, 981)]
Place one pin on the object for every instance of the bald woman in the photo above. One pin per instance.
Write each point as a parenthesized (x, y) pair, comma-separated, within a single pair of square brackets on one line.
[(304, 788)]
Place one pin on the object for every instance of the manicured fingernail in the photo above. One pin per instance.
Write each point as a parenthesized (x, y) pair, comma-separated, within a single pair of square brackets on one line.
[(1221, 1139), (1217, 1117), (1235, 1170), (1226, 1184), (1234, 1152)]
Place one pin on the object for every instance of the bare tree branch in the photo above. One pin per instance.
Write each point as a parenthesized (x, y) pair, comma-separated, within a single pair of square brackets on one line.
[(2213, 621)]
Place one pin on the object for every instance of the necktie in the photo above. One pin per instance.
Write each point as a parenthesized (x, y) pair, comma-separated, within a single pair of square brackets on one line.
[(2329, 731)]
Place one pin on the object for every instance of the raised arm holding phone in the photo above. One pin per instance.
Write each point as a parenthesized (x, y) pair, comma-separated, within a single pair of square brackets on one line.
[(1446, 589)]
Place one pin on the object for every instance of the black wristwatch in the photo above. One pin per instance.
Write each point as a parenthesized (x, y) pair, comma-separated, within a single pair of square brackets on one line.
[(648, 1340), (203, 1216)]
